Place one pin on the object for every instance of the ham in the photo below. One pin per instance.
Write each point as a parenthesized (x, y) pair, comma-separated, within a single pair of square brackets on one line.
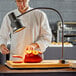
[(31, 56)]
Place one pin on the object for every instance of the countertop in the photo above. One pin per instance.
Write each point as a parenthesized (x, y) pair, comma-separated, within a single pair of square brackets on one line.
[(4, 69)]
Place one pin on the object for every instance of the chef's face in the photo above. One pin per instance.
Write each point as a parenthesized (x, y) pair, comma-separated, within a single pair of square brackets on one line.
[(21, 4)]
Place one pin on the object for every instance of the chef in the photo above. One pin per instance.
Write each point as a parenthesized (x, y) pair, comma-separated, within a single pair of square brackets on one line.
[(36, 36)]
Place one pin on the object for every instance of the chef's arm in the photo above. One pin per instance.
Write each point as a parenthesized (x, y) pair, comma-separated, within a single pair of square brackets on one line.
[(45, 37), (4, 36)]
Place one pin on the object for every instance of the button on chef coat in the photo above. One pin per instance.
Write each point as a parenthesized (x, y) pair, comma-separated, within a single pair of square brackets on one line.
[(37, 31)]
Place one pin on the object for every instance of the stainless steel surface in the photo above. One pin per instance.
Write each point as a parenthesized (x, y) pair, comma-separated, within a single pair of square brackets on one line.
[(69, 32)]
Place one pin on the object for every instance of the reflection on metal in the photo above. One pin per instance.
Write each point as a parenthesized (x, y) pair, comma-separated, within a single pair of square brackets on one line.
[(69, 32)]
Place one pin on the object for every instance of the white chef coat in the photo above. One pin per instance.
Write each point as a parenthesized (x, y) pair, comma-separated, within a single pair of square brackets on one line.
[(37, 31)]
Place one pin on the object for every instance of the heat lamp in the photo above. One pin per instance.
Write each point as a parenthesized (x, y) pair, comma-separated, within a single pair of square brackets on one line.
[(17, 25)]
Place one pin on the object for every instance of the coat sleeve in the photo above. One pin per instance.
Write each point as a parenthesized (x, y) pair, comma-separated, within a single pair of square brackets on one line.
[(45, 33), (4, 31)]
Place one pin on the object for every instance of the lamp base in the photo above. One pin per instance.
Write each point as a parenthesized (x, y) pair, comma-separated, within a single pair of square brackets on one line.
[(62, 61)]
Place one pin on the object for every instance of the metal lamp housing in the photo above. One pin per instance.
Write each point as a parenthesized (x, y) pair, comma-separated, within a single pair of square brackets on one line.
[(15, 23)]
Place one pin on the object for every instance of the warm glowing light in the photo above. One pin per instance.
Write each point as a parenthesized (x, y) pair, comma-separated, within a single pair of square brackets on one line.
[(19, 29)]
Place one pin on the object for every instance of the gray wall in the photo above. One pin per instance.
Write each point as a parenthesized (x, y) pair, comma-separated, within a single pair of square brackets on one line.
[(66, 7)]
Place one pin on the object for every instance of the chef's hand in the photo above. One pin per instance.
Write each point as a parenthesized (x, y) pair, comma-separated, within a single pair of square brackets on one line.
[(4, 49), (33, 46)]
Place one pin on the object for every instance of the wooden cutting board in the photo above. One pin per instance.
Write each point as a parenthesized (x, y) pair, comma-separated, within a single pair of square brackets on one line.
[(43, 64)]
